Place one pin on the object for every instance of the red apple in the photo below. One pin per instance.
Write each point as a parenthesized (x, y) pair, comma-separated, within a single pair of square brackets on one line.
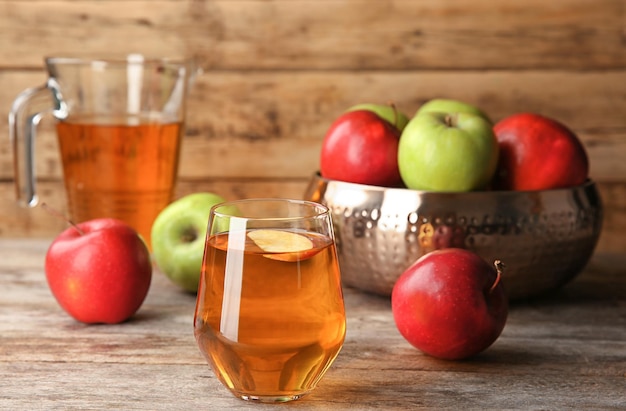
[(361, 147), (538, 153), (99, 271), (450, 304)]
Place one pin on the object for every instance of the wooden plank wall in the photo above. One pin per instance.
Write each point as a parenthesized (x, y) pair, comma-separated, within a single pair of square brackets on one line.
[(277, 72)]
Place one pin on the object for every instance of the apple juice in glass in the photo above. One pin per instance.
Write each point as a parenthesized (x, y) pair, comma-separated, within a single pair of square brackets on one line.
[(270, 316)]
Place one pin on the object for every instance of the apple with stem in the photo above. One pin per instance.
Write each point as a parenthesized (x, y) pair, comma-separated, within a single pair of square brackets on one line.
[(446, 105), (388, 112), (361, 147), (452, 152), (99, 271), (450, 303), (538, 153)]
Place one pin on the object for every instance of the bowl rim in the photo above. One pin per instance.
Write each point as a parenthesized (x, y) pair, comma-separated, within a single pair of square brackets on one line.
[(589, 183)]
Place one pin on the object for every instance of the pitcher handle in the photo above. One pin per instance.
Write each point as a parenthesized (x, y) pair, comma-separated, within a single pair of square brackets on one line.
[(26, 112)]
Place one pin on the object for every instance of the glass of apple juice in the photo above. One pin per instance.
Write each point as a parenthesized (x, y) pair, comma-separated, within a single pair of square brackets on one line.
[(270, 317)]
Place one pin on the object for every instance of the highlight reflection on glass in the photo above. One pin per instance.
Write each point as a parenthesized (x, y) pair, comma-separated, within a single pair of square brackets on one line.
[(270, 317)]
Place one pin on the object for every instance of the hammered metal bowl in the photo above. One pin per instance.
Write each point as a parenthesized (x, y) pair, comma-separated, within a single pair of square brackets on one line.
[(544, 238)]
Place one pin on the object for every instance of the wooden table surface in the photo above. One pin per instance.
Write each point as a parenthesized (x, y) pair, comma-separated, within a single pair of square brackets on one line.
[(567, 351)]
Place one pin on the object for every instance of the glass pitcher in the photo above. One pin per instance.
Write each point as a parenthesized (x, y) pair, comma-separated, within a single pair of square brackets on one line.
[(119, 127)]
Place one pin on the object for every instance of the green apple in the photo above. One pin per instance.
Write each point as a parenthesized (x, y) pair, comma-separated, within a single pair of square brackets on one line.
[(443, 105), (389, 113), (447, 152), (178, 235)]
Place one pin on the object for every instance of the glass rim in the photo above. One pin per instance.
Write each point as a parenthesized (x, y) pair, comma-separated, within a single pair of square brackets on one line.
[(321, 209)]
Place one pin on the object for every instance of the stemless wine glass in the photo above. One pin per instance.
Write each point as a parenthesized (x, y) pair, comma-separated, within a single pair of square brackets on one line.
[(270, 316)]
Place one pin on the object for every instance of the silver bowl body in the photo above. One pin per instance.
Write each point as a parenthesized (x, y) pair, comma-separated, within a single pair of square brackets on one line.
[(544, 238)]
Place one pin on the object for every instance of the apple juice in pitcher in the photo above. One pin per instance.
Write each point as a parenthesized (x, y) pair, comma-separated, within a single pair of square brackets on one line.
[(120, 121), (269, 322), (121, 167)]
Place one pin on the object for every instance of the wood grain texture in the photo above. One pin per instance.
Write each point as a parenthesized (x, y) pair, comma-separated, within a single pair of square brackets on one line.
[(259, 125), (326, 35), (564, 351)]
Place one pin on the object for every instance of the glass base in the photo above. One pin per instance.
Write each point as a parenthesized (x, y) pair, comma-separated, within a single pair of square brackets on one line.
[(269, 398)]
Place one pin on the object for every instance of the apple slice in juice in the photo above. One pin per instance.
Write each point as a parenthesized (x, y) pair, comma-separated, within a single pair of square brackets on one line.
[(283, 245)]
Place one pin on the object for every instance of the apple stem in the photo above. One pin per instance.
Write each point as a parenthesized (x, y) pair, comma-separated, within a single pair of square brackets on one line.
[(499, 268), (395, 113), (449, 120), (57, 214)]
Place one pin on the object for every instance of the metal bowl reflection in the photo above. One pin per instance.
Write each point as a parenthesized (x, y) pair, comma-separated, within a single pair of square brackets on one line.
[(544, 238)]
